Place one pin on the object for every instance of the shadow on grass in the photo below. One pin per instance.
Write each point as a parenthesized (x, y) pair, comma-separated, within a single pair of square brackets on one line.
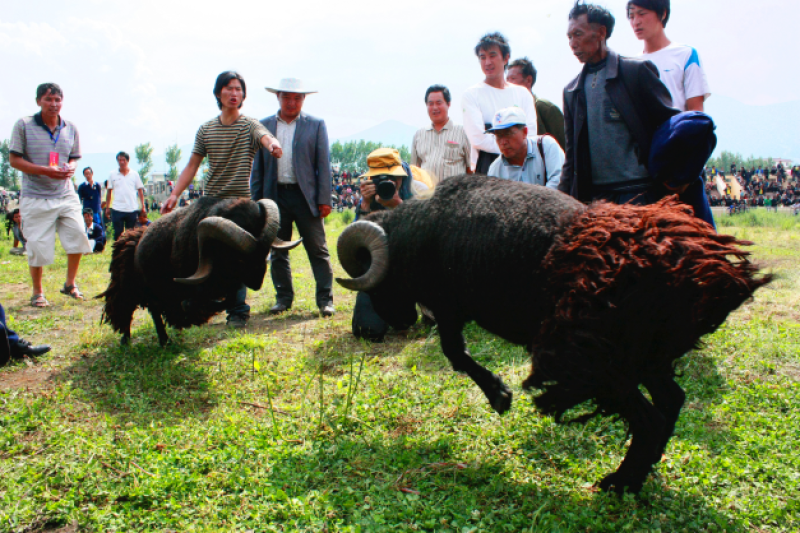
[(419, 483), (143, 382)]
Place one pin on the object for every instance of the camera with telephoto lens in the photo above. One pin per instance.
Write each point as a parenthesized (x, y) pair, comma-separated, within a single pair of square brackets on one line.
[(385, 186)]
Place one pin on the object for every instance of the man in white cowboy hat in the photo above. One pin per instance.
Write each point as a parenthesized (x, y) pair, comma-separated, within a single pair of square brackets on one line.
[(300, 183)]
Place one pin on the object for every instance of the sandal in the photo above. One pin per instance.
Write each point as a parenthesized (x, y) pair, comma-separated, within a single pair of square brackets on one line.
[(38, 300), (72, 291)]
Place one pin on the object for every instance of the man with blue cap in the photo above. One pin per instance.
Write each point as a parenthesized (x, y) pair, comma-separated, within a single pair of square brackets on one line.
[(536, 161)]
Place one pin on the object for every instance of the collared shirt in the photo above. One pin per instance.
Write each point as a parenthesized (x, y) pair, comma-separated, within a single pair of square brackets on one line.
[(32, 140), (532, 170), (442, 154), (285, 134)]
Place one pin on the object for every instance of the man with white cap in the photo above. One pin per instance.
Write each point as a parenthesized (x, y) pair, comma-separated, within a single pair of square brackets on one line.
[(300, 183), (537, 161)]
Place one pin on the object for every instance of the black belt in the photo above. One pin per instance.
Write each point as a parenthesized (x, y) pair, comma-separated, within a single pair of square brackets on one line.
[(288, 186)]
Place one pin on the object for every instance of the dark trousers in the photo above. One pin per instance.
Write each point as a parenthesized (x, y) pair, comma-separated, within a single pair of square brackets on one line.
[(238, 299), (641, 197), (122, 220), (8, 338), (294, 209)]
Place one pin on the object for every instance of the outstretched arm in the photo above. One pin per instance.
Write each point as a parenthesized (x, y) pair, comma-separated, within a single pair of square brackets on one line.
[(184, 180)]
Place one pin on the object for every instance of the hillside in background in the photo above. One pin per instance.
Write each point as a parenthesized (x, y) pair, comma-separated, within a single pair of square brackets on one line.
[(762, 131)]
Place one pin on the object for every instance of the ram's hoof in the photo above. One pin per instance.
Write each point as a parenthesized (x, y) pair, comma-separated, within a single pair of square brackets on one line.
[(502, 398), (618, 483), (125, 340)]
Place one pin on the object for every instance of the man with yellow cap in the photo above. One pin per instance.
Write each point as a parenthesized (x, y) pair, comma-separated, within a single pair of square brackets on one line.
[(387, 184)]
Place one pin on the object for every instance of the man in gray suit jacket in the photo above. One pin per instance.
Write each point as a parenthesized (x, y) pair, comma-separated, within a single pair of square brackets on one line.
[(300, 183)]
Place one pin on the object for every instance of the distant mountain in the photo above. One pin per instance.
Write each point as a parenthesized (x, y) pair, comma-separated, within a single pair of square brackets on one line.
[(761, 131), (388, 132)]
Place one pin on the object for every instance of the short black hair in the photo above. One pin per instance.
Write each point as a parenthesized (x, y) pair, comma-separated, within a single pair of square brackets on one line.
[(493, 39), (54, 89), (661, 7), (595, 14), (123, 154), (527, 68), (88, 211), (223, 80), (438, 89), (87, 168)]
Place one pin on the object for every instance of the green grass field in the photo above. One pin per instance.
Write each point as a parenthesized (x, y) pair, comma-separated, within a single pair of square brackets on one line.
[(293, 425)]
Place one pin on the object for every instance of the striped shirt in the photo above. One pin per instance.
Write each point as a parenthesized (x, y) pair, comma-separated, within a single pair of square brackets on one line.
[(32, 140), (442, 154), (230, 150)]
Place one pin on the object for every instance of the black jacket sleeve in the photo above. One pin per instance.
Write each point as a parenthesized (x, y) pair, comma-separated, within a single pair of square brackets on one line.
[(568, 170)]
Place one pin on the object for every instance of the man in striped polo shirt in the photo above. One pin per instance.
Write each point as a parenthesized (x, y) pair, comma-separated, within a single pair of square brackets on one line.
[(442, 149), (230, 141), (46, 148)]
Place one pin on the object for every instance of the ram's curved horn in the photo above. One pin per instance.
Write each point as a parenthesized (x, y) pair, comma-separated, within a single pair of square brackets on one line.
[(222, 230), (279, 244), (358, 235), (273, 220)]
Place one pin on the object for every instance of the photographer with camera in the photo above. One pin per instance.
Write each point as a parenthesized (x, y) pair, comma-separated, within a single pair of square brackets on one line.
[(388, 183)]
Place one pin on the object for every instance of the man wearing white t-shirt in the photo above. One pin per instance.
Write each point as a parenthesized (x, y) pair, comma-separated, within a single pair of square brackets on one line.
[(125, 184), (679, 65), (480, 102)]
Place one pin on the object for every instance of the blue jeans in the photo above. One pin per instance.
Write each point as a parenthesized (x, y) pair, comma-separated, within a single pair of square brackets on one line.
[(239, 306), (122, 220)]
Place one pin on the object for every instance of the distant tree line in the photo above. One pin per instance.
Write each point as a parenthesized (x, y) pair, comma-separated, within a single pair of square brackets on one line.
[(9, 177), (725, 159), (352, 155)]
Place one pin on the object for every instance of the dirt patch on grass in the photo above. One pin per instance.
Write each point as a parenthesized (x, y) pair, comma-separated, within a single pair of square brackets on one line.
[(791, 370), (31, 378)]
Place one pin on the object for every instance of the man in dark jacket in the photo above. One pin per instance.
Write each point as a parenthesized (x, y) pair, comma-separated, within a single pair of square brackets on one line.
[(300, 183), (611, 111)]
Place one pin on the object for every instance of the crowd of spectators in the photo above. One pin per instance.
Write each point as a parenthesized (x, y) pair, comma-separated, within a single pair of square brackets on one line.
[(346, 193), (760, 187)]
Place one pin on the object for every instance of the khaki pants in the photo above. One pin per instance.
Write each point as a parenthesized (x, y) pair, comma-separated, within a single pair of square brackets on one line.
[(42, 218)]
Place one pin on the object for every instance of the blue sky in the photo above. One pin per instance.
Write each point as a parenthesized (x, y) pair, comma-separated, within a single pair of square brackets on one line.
[(144, 71)]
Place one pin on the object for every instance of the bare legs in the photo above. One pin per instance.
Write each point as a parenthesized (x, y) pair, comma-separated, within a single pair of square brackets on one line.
[(73, 262)]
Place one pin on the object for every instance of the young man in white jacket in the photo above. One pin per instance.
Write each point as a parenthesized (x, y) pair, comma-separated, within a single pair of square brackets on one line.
[(480, 102)]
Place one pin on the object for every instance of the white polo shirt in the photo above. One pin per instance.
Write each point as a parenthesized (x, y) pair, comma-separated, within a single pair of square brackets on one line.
[(125, 189)]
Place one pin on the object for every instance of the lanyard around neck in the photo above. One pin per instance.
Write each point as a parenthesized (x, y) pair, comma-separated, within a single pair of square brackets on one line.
[(59, 129)]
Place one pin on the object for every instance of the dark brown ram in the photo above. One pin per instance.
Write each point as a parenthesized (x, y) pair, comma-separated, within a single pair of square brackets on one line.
[(183, 265), (605, 297)]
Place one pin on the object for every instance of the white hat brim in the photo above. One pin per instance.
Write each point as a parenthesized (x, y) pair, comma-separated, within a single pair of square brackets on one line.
[(276, 91)]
